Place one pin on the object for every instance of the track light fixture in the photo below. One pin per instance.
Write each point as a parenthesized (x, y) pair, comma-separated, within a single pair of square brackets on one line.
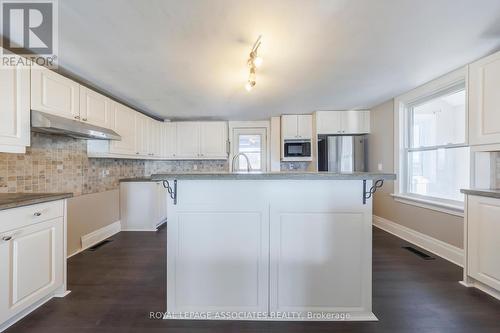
[(254, 62)]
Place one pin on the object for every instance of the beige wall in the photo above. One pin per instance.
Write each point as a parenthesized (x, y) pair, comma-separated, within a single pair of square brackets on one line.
[(445, 227), (90, 212)]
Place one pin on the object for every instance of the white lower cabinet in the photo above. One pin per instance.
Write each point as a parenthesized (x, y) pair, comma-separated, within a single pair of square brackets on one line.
[(143, 205), (483, 240), (32, 258)]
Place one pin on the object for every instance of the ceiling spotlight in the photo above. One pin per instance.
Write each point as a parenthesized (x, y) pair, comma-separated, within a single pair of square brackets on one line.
[(254, 61)]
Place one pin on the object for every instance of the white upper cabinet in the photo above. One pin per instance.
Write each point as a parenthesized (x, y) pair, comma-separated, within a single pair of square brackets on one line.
[(343, 122), (213, 140), (155, 149), (484, 101), (168, 139), (188, 140), (142, 130), (54, 93), (95, 108), (356, 122), (296, 127), (14, 109), (125, 127)]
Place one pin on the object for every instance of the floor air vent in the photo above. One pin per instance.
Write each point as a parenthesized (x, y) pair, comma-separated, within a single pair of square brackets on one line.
[(418, 253), (98, 245)]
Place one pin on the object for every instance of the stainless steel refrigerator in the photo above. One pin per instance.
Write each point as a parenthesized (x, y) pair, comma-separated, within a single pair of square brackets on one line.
[(342, 153)]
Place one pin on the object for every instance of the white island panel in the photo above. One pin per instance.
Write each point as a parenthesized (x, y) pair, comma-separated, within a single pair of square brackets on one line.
[(301, 246)]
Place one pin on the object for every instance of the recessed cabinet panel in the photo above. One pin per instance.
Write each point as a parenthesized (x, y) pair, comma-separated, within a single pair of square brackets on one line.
[(14, 109), (125, 127), (54, 93), (304, 126), (188, 140), (213, 139), (289, 127), (169, 138), (329, 122), (95, 108), (483, 224), (34, 266), (484, 101), (343, 122)]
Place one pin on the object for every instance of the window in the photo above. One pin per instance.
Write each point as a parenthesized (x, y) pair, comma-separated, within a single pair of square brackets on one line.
[(434, 161), (252, 143)]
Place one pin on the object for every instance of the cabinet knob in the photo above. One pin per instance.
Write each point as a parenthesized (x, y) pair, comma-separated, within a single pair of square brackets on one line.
[(137, 153), (37, 214), (6, 238)]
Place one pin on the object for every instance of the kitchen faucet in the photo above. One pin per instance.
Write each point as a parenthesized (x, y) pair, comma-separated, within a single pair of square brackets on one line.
[(249, 168)]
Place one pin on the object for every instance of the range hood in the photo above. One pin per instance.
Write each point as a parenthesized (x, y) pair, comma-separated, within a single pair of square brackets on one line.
[(47, 123)]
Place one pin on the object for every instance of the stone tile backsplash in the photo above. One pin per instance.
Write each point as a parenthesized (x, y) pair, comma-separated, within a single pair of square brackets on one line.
[(60, 164), (153, 167)]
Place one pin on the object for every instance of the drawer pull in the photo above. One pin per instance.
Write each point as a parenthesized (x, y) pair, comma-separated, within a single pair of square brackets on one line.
[(6, 238), (38, 214)]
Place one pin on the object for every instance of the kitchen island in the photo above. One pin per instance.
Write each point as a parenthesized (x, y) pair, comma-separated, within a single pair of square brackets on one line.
[(270, 246)]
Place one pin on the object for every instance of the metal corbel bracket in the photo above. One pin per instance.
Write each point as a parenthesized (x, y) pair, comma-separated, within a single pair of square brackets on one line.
[(368, 194), (171, 191)]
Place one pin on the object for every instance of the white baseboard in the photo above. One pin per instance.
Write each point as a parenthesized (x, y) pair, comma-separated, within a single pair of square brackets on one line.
[(431, 244), (100, 234), (471, 283)]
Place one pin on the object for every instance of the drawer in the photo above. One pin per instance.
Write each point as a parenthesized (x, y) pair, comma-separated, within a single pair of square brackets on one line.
[(19, 217)]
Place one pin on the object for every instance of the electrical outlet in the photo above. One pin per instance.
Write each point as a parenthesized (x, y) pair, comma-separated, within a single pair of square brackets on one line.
[(195, 167), (380, 167)]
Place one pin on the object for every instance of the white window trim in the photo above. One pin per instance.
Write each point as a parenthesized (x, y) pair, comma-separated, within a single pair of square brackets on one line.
[(428, 89)]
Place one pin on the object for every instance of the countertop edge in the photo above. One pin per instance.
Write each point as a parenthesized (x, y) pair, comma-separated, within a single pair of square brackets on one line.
[(34, 201), (490, 193), (272, 176)]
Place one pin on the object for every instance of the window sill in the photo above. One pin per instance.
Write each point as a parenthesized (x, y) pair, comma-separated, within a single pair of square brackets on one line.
[(447, 208)]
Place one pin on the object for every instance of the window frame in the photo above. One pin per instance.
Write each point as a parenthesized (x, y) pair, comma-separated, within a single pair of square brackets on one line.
[(403, 129)]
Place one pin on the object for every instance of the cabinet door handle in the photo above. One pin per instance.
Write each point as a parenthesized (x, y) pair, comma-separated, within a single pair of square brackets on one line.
[(84, 119), (6, 238), (37, 214), (77, 117)]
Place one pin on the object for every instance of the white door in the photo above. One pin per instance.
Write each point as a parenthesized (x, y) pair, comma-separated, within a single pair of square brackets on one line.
[(125, 127), (304, 127), (14, 109), (253, 143), (95, 108), (484, 101), (188, 140), (483, 224), (168, 140), (329, 122), (54, 93), (289, 127), (32, 265), (213, 140)]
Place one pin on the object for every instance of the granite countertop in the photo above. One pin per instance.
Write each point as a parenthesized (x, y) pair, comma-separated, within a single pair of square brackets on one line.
[(274, 176), (137, 180), (491, 193), (14, 200)]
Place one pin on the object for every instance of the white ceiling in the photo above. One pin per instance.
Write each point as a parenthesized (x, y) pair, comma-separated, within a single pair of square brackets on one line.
[(186, 59)]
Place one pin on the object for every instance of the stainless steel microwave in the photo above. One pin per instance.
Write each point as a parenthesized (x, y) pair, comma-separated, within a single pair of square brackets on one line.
[(297, 148)]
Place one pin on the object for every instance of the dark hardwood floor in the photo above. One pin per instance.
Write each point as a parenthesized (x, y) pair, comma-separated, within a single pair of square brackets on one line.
[(115, 288)]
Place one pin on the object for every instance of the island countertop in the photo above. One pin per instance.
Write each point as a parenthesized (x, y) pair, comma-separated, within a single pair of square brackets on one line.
[(274, 176), (491, 193), (14, 200)]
